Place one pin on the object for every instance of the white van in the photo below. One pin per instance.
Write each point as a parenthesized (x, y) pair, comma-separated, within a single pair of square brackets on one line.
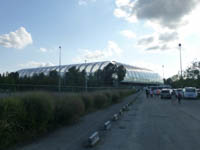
[(166, 93), (190, 92)]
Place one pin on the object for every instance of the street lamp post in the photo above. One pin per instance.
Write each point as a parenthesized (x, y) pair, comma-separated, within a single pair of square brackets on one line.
[(180, 60), (85, 78), (59, 84), (163, 72)]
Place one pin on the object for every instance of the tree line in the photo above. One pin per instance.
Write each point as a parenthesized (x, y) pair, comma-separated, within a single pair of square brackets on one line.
[(110, 76), (190, 78)]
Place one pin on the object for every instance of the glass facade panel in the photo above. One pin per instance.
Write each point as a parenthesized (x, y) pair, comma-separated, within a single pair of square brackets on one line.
[(95, 67), (133, 74), (88, 68), (104, 64), (82, 67)]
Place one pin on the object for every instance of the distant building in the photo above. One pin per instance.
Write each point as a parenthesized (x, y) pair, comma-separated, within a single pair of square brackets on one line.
[(134, 75)]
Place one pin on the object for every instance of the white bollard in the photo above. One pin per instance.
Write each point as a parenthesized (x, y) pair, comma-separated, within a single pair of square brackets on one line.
[(120, 112), (115, 117), (107, 125), (93, 139)]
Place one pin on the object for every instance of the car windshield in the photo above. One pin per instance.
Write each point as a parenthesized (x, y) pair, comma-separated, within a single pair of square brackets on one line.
[(166, 91), (190, 90)]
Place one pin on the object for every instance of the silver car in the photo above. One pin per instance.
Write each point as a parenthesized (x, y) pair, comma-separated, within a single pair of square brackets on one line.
[(166, 93)]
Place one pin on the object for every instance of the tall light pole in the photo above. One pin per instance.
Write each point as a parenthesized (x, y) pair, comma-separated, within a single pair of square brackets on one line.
[(59, 84), (163, 72), (85, 77), (180, 60)]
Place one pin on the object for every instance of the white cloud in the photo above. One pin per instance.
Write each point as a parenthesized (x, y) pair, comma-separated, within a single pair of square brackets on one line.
[(112, 49), (120, 13), (18, 39), (124, 10), (85, 2), (121, 3), (146, 40), (172, 21), (168, 13), (43, 49), (159, 41), (128, 33), (35, 64)]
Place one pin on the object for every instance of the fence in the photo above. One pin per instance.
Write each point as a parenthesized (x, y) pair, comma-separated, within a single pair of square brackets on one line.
[(9, 88)]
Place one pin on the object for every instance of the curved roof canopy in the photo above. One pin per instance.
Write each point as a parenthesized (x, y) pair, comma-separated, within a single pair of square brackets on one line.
[(133, 74)]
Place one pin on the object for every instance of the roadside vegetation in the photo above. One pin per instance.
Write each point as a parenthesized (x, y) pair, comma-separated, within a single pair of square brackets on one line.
[(191, 77), (74, 80), (29, 115)]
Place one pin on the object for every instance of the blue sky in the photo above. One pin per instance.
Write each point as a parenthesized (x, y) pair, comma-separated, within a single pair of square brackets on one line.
[(136, 32)]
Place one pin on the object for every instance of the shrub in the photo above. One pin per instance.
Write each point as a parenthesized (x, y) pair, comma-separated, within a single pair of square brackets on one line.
[(88, 102), (28, 115), (11, 110), (108, 94), (115, 97), (39, 111), (69, 108), (99, 100)]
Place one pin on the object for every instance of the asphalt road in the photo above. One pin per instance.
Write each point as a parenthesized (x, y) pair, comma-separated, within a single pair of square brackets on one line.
[(154, 124)]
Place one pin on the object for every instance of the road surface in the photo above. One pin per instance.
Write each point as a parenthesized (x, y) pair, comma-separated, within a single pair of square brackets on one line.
[(154, 124)]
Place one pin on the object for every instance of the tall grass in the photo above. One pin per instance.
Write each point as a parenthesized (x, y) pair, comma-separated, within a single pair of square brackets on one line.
[(31, 114)]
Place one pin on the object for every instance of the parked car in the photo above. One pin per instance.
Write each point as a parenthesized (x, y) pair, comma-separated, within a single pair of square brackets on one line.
[(190, 92), (198, 92), (166, 93)]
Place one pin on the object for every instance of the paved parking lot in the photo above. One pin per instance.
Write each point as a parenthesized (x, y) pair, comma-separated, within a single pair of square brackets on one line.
[(154, 124)]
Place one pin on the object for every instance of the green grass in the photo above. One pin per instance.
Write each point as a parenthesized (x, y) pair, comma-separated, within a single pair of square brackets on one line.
[(31, 114)]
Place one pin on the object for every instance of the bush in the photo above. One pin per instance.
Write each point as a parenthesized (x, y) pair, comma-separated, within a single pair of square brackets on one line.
[(100, 100), (11, 111), (31, 114), (88, 102), (39, 111), (115, 97), (69, 108)]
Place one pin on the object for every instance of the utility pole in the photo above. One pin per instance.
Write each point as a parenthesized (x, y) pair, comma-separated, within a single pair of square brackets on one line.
[(180, 60), (59, 84), (163, 72), (85, 77)]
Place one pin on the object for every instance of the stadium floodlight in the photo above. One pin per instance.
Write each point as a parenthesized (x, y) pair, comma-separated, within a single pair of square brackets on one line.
[(85, 77), (59, 84), (180, 60)]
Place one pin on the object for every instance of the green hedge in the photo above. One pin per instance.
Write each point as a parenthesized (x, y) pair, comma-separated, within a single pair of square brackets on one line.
[(32, 114)]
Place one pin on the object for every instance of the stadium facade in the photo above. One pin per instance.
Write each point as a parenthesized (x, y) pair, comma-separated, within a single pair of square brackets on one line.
[(134, 75)]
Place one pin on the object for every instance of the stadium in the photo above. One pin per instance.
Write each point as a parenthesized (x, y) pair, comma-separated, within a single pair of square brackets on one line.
[(134, 75)]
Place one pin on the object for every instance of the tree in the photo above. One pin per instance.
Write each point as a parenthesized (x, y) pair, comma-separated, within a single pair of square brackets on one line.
[(109, 73), (121, 72), (74, 77)]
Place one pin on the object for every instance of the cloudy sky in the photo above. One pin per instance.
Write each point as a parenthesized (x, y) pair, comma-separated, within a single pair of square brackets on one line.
[(144, 33)]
